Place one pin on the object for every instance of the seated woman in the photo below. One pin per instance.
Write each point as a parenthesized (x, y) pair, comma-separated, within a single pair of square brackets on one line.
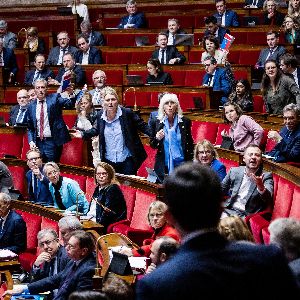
[(287, 148), (271, 15), (211, 46), (157, 220), (243, 130), (294, 10), (278, 89), (206, 154), (156, 73), (171, 135), (291, 31), (65, 192), (34, 43), (108, 203), (242, 95)]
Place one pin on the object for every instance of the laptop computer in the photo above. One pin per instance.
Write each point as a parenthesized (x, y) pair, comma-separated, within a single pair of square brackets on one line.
[(250, 21), (134, 80), (142, 40), (184, 39)]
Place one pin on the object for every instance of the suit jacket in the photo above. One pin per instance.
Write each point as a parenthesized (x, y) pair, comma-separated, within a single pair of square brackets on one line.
[(10, 40), (95, 56), (187, 143), (207, 264), (54, 54), (44, 74), (131, 123), (231, 18), (55, 104), (277, 19), (13, 115), (81, 279), (219, 168), (97, 39), (10, 61), (221, 33), (255, 201), (259, 4), (6, 181), (171, 52), (80, 78), (288, 149), (43, 194), (44, 270), (163, 77), (138, 19), (280, 50), (13, 236)]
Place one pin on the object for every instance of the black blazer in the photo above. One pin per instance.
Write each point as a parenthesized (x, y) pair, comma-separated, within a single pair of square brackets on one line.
[(278, 19), (221, 33), (95, 56), (163, 77), (13, 115), (45, 74), (187, 143), (171, 52), (80, 78)]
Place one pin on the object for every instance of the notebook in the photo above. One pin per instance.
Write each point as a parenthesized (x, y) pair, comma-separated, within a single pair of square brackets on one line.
[(134, 80), (250, 21), (184, 39)]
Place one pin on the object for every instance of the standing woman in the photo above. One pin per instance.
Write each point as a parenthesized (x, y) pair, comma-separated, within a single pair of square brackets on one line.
[(243, 130), (171, 135), (291, 30), (211, 46), (242, 95), (278, 89), (156, 73), (108, 203)]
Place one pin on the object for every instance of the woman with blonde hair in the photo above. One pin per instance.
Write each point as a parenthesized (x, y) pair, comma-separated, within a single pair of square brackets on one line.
[(291, 30), (294, 9), (34, 43), (206, 154)]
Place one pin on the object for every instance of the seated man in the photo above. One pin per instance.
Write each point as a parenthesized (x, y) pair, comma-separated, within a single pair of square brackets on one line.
[(76, 276), (87, 55), (10, 39), (99, 80), (52, 258), (17, 115), (31, 94), (173, 28), (168, 55), (56, 54), (289, 66), (226, 17), (69, 65), (254, 3), (212, 27), (13, 235), (250, 189), (216, 78), (6, 181), (66, 226), (40, 71), (95, 38), (37, 183), (271, 15), (9, 62), (288, 140), (134, 19)]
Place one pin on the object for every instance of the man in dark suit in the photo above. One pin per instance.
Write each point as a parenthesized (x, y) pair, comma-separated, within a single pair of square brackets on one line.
[(99, 79), (10, 39), (173, 29), (206, 263), (9, 62), (40, 71), (216, 78), (212, 27), (37, 183), (226, 17), (17, 115), (87, 55), (168, 55), (134, 19), (50, 134), (289, 66), (95, 38), (76, 276), (13, 235), (78, 74), (56, 54), (118, 130), (272, 16), (52, 258), (6, 181), (254, 3), (250, 190)]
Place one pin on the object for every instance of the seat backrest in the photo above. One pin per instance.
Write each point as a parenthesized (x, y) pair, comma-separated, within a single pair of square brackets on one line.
[(18, 175), (130, 196), (90, 186), (79, 178), (228, 163), (148, 162), (295, 208), (72, 153), (221, 127), (141, 206), (48, 223), (11, 143), (204, 130)]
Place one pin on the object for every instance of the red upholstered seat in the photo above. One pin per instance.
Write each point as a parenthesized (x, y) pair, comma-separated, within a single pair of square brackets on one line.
[(48, 223), (228, 163), (25, 146), (221, 127), (70, 119), (194, 78), (116, 57), (119, 40), (140, 57), (141, 98), (295, 208), (187, 99), (258, 103), (248, 58), (142, 73), (90, 186), (195, 56), (18, 175), (149, 162), (270, 144), (79, 178), (72, 153), (204, 130), (178, 77), (11, 143), (114, 77)]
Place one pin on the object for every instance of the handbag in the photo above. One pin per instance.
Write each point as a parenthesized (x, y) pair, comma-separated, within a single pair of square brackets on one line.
[(227, 143)]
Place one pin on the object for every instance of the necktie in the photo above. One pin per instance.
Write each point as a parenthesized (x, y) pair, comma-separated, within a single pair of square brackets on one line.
[(42, 115), (210, 80), (20, 115), (163, 57), (36, 76)]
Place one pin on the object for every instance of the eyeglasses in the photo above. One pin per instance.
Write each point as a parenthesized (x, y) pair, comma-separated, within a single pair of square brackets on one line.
[(33, 158), (46, 243)]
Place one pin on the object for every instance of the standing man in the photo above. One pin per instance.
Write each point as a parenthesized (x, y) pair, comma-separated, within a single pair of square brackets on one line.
[(250, 189), (87, 55), (95, 38), (289, 66), (46, 127), (226, 17), (17, 115), (167, 55), (40, 71), (9, 62), (206, 263), (10, 39), (134, 19), (56, 54), (99, 80), (13, 234), (212, 27), (37, 183)]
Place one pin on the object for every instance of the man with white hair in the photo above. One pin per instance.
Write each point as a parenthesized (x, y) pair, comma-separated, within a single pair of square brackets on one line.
[(17, 115), (134, 19), (10, 39), (9, 63), (99, 80)]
